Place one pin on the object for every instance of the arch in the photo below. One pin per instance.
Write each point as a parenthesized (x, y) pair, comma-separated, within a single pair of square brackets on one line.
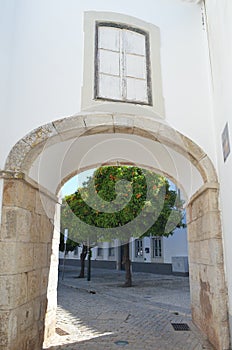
[(118, 163), (28, 148), (28, 219)]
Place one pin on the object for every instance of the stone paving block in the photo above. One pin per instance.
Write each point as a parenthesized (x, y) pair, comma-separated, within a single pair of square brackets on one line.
[(96, 321)]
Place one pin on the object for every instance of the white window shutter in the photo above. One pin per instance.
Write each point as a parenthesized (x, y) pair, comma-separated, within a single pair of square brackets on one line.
[(122, 65)]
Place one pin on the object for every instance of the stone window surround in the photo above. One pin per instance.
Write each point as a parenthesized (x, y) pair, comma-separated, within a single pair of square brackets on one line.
[(89, 102)]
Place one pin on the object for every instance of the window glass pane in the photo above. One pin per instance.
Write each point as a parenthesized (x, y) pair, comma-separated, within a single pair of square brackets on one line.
[(111, 252), (157, 247), (100, 251), (156, 243), (109, 62), (138, 248), (122, 65), (109, 87), (136, 90), (134, 42), (108, 38), (136, 66)]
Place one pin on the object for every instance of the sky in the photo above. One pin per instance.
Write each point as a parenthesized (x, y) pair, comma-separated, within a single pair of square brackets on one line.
[(76, 181)]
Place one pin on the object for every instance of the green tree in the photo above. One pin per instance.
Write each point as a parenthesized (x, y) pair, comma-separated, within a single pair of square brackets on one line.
[(69, 221), (123, 202)]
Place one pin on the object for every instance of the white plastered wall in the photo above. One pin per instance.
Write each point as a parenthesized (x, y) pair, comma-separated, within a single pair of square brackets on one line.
[(60, 160), (220, 39), (176, 245), (44, 41)]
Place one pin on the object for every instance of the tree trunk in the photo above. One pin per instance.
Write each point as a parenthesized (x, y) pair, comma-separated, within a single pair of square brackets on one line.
[(83, 256), (89, 264), (127, 262)]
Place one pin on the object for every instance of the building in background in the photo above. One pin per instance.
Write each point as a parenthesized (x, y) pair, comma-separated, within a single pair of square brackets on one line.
[(169, 254)]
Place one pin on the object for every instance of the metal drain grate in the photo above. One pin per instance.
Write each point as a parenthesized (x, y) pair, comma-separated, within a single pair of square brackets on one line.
[(180, 326), (60, 331), (121, 342)]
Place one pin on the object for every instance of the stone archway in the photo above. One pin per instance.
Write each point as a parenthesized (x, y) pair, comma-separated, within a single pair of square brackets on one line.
[(29, 246)]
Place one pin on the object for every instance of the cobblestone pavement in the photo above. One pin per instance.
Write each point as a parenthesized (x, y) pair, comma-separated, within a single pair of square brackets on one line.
[(96, 315)]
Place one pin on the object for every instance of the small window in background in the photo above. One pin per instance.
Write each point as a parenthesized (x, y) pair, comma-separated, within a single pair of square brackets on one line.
[(99, 251), (138, 248), (122, 64), (157, 247), (111, 251)]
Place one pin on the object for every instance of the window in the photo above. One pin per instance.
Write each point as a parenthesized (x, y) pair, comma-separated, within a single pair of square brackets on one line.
[(157, 247), (111, 252), (122, 67), (138, 248), (122, 70), (100, 252)]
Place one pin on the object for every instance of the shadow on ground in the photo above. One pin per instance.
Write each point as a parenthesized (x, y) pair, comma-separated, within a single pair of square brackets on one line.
[(140, 315)]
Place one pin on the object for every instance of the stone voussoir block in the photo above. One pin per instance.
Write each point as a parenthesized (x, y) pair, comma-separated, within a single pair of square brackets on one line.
[(147, 124), (192, 148), (17, 156), (210, 172), (123, 123), (171, 137), (70, 127), (40, 135)]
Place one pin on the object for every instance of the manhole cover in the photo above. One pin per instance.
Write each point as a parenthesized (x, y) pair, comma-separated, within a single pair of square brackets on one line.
[(121, 342), (180, 326), (60, 331)]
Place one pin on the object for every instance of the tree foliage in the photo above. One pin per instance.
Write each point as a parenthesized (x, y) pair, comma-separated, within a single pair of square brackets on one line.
[(120, 202)]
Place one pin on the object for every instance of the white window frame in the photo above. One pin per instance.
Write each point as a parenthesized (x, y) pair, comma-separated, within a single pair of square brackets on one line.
[(153, 255), (140, 254), (89, 102)]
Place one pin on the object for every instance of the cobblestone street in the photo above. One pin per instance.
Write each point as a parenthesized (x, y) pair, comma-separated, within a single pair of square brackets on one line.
[(103, 315)]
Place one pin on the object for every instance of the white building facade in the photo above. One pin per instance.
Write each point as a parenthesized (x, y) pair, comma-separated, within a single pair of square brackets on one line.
[(91, 83), (162, 254)]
